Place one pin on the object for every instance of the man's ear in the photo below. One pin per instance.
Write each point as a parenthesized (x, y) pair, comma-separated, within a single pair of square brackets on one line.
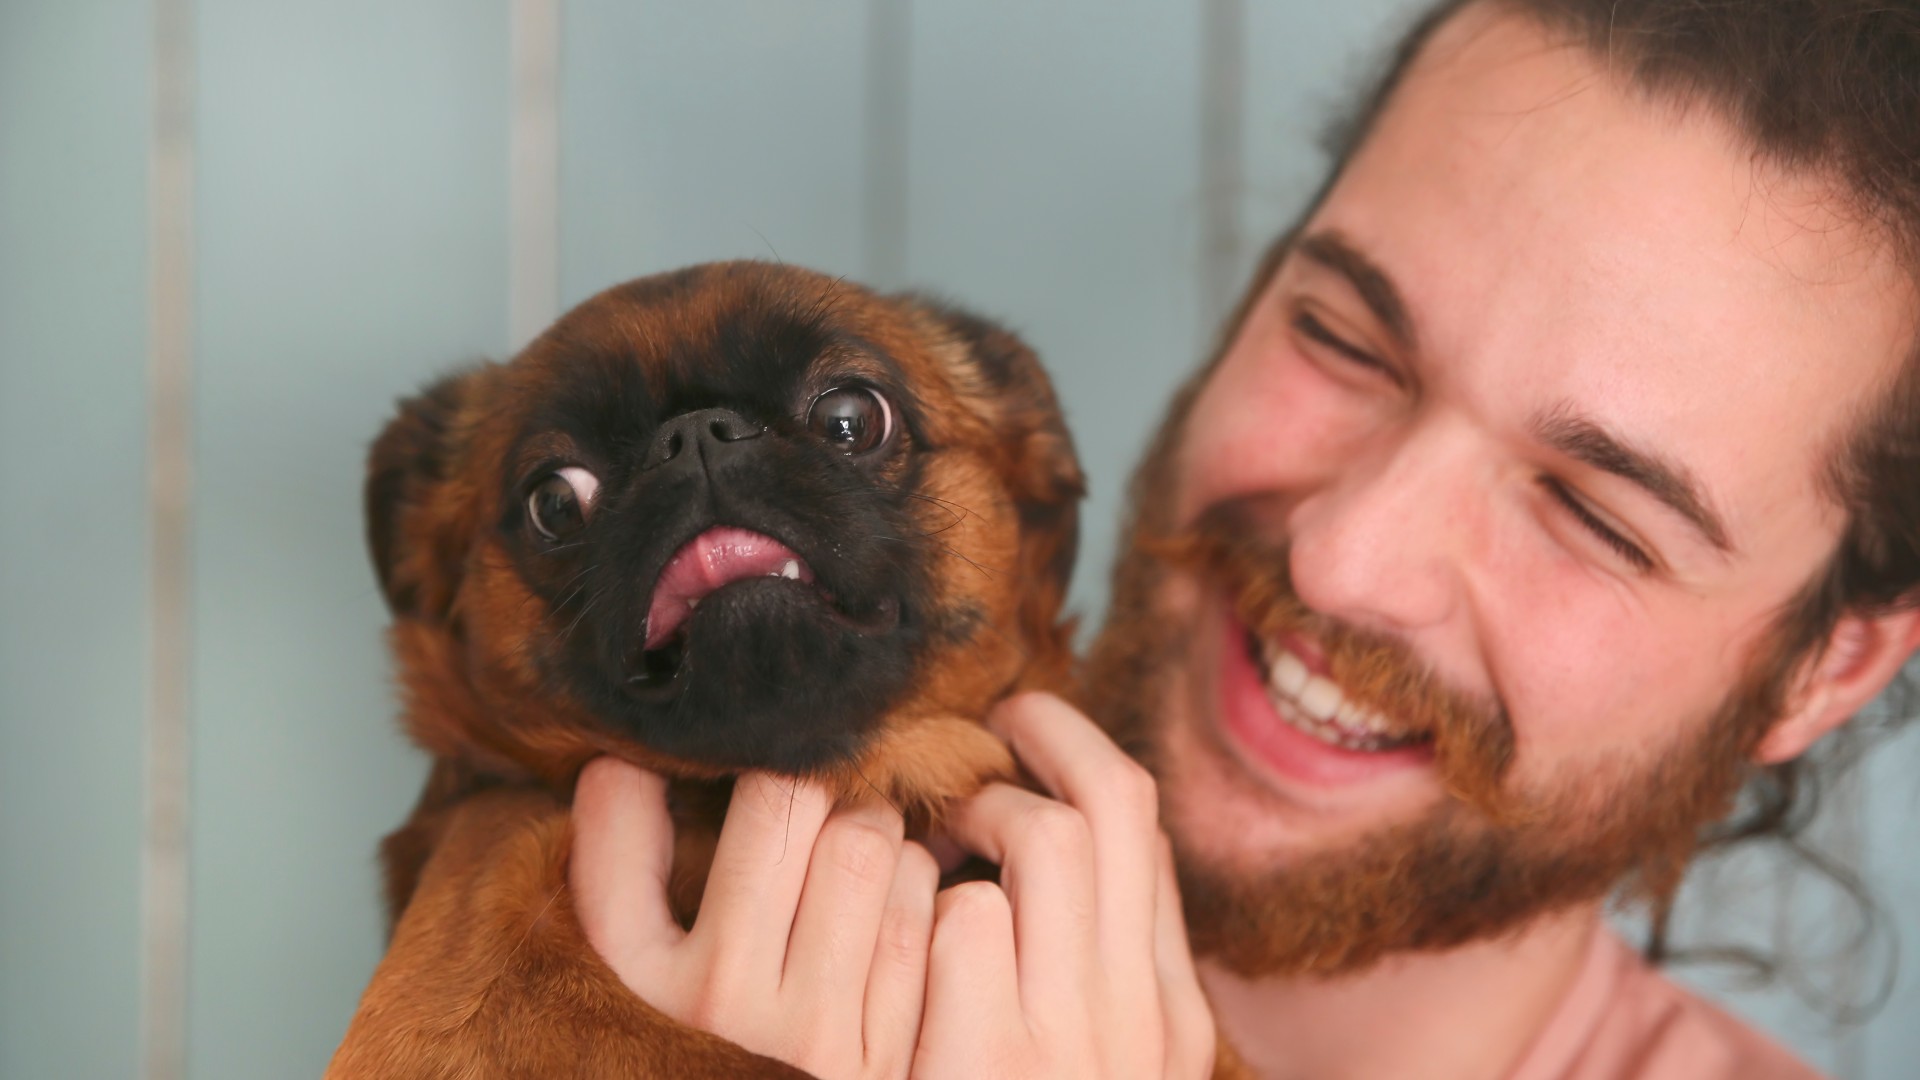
[(417, 528), (1863, 654)]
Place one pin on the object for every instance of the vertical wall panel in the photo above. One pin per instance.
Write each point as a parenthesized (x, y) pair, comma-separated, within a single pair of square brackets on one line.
[(724, 129), (74, 126), (1055, 186), (1304, 60), (1890, 1046), (352, 241)]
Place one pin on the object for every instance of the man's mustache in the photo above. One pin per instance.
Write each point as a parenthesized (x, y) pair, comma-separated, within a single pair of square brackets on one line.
[(1472, 737)]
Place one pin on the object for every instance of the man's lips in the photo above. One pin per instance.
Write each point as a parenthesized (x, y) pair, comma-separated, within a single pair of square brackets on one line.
[(1277, 732), (716, 558)]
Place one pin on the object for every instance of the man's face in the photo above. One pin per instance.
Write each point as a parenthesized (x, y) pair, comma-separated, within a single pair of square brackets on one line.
[(1538, 403)]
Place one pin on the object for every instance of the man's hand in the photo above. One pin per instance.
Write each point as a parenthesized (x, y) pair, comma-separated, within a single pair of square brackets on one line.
[(1077, 964), (812, 940)]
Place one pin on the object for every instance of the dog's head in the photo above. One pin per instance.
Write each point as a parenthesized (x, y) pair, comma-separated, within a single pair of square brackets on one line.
[(738, 516)]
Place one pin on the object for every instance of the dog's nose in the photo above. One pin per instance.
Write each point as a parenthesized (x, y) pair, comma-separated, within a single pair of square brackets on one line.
[(700, 432)]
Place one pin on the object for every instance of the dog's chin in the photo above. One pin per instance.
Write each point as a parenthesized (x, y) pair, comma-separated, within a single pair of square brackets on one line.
[(767, 673)]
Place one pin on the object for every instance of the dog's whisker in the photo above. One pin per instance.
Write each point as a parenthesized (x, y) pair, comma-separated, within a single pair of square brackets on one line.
[(596, 598), (875, 788), (527, 934), (976, 564)]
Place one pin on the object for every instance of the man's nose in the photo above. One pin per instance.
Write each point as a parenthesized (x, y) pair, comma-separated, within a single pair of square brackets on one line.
[(1380, 544)]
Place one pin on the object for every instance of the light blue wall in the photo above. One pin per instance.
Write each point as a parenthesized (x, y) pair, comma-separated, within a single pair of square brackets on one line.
[(1045, 164), (352, 196), (74, 105)]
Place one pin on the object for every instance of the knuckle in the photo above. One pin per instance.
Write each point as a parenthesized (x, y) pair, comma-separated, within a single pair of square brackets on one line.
[(861, 852), (1051, 830), (903, 941), (1133, 788), (972, 902), (1022, 711), (920, 869)]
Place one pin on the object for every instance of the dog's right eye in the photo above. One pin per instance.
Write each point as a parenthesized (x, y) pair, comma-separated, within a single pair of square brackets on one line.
[(558, 505)]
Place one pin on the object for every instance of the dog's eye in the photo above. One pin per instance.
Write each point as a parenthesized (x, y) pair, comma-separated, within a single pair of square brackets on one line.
[(558, 505), (855, 419)]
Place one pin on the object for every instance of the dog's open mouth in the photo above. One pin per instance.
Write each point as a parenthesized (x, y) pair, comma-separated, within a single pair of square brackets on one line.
[(717, 558)]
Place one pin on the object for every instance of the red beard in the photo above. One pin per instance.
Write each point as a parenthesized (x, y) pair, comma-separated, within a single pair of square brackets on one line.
[(1484, 861)]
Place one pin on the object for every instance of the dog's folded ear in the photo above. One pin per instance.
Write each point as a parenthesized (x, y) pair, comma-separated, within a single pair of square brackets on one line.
[(1040, 465), (416, 525)]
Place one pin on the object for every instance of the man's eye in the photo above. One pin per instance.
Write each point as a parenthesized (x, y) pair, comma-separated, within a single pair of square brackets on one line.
[(1313, 329), (1624, 547)]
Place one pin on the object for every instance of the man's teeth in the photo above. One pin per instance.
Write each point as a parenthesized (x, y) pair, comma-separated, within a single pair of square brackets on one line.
[(1315, 705)]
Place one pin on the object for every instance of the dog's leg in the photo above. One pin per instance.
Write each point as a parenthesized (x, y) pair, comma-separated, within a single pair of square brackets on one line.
[(489, 974)]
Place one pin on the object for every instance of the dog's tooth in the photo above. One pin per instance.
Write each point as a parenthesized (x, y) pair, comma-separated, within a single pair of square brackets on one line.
[(1320, 698), (693, 603), (1289, 674), (791, 571)]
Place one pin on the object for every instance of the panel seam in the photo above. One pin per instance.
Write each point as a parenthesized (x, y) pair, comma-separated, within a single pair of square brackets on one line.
[(533, 187), (165, 889), (1222, 154)]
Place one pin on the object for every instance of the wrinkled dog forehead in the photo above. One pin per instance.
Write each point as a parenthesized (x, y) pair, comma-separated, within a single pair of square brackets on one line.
[(762, 341)]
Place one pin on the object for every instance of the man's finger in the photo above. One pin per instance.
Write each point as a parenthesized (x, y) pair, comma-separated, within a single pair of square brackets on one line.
[(622, 856), (1078, 763), (973, 996), (759, 869), (897, 983), (1190, 1039), (1045, 851), (838, 921)]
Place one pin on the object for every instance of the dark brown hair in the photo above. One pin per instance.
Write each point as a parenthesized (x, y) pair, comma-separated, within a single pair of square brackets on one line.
[(1828, 88)]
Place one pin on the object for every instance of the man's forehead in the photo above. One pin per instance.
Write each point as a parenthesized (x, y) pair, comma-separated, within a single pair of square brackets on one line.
[(1534, 211)]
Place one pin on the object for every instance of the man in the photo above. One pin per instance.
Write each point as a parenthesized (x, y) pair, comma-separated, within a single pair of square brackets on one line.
[(1556, 479)]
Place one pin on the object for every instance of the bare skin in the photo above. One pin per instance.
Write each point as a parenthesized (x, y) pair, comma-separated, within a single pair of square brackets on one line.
[(819, 928)]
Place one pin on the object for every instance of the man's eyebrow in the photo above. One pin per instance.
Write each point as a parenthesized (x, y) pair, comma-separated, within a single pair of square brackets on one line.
[(1333, 251), (1668, 481)]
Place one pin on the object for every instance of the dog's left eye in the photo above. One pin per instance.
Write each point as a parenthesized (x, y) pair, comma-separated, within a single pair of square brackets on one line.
[(558, 505), (856, 419)]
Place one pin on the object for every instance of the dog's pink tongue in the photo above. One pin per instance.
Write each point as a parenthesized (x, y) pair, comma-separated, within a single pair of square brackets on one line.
[(717, 557)]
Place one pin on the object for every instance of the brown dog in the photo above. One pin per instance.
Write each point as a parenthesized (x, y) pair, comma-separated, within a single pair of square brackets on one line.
[(738, 516)]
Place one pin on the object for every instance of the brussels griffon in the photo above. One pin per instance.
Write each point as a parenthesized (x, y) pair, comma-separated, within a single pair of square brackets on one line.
[(740, 516)]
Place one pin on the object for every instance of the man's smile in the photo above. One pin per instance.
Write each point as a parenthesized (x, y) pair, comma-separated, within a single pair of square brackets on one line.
[(1317, 705), (1289, 722)]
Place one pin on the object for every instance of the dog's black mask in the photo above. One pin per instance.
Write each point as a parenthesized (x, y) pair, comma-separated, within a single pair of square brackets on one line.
[(766, 419)]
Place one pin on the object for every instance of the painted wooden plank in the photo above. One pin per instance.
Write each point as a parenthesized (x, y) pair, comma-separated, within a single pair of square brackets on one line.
[(726, 129), (1054, 185), (352, 242), (75, 105)]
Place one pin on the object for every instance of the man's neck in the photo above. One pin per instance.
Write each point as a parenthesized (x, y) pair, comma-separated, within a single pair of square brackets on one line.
[(1469, 1013)]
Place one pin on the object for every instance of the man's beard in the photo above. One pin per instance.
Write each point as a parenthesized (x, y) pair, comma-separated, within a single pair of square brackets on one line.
[(1484, 861)]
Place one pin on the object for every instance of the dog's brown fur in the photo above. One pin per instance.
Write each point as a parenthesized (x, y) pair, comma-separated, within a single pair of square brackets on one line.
[(488, 973)]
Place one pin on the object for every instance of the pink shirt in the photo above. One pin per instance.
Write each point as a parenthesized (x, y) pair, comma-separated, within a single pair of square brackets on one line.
[(1622, 1020)]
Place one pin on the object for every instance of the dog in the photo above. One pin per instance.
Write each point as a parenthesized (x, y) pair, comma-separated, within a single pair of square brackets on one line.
[(738, 516)]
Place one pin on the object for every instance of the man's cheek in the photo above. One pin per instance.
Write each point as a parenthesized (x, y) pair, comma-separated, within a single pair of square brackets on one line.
[(1284, 433)]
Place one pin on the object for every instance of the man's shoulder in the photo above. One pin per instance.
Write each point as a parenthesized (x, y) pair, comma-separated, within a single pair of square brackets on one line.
[(1641, 1025)]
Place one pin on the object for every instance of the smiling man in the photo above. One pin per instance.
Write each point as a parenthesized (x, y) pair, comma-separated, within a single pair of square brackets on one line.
[(1557, 480)]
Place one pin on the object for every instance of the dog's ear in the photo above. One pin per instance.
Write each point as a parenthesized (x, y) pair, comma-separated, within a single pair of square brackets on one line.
[(1039, 464), (416, 528)]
